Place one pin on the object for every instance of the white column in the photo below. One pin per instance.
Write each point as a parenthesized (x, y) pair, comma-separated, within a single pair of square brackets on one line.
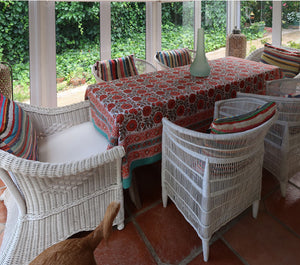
[(153, 29), (276, 23), (197, 21), (105, 31), (233, 16), (42, 50)]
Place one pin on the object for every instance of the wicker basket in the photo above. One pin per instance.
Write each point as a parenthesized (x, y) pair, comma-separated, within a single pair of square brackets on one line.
[(6, 84)]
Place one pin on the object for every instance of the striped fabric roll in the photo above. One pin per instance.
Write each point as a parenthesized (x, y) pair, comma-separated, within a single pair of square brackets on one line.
[(17, 135), (288, 61), (245, 121), (174, 58), (113, 69)]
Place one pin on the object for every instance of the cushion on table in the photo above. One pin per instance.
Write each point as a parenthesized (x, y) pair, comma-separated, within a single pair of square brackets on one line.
[(245, 121), (287, 60), (113, 69), (72, 144), (174, 58), (17, 134)]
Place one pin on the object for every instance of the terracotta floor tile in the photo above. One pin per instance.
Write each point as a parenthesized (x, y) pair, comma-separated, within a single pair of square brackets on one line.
[(219, 254), (171, 236), (269, 183), (3, 212), (296, 180), (286, 209), (124, 247), (264, 241)]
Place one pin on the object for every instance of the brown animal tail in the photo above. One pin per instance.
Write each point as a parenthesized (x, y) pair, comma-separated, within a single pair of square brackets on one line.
[(103, 230)]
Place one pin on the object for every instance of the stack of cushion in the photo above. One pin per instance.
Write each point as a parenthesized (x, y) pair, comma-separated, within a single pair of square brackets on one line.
[(174, 58), (287, 60), (245, 121), (113, 69), (17, 134)]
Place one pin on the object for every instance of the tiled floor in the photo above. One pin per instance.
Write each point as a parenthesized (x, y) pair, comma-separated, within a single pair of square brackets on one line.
[(157, 235)]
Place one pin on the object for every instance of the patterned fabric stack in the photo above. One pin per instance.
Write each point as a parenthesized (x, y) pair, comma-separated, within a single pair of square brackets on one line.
[(113, 69), (174, 58)]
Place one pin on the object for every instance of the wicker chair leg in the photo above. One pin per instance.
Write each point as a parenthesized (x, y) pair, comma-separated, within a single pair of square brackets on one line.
[(205, 249), (164, 197), (283, 185), (255, 207)]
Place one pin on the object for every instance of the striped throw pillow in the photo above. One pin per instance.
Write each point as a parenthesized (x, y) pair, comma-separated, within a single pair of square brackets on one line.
[(174, 58), (288, 61), (113, 69), (245, 121), (17, 134)]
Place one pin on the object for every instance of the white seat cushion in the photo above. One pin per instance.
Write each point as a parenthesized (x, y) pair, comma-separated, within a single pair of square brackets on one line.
[(73, 144)]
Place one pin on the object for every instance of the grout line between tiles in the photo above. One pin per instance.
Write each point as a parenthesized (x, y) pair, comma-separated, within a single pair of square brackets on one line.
[(147, 243), (282, 223), (234, 251)]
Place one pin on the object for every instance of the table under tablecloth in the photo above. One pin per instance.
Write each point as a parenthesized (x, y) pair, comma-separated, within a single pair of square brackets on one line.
[(129, 111)]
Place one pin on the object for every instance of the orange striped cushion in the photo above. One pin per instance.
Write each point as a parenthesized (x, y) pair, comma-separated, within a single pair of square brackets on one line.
[(288, 61), (113, 69), (17, 134), (245, 121)]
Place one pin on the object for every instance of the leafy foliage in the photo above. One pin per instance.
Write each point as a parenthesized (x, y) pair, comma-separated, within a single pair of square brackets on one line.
[(77, 32)]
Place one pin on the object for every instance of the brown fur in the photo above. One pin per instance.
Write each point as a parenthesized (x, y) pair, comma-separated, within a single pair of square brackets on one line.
[(79, 251)]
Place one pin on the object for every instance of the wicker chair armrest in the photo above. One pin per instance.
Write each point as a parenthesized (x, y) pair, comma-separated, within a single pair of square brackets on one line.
[(144, 66), (47, 121), (32, 168), (93, 69)]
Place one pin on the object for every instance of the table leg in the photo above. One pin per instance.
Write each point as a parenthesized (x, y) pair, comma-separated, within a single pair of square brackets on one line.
[(134, 192)]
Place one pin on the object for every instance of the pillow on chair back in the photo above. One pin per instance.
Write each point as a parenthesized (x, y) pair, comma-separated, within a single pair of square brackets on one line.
[(288, 61), (174, 58), (17, 134), (113, 69), (245, 121)]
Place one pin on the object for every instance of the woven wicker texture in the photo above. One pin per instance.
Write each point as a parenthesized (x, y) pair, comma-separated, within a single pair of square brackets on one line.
[(213, 178), (282, 143), (6, 87), (256, 55), (47, 203), (141, 65)]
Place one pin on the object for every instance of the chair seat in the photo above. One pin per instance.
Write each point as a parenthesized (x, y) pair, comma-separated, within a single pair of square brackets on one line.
[(72, 144)]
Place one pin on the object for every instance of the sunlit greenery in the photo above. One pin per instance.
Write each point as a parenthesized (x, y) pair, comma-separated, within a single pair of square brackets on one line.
[(78, 34)]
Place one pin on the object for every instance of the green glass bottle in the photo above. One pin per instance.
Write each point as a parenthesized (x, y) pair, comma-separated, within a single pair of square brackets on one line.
[(200, 66)]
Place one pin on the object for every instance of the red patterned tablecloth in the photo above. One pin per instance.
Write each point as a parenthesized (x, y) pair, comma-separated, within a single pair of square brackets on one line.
[(129, 111)]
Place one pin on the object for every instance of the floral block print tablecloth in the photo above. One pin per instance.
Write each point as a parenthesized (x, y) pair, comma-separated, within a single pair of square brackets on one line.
[(129, 111)]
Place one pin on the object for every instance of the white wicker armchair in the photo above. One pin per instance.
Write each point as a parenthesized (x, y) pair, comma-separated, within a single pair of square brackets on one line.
[(48, 202), (142, 66), (282, 143), (256, 55), (212, 178)]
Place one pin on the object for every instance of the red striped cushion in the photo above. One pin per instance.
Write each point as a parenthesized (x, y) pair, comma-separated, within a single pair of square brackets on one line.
[(288, 61), (174, 58), (17, 135), (113, 69), (245, 121)]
